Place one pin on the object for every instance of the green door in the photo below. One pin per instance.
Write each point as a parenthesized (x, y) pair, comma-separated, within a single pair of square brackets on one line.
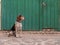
[(30, 9), (38, 13), (50, 14)]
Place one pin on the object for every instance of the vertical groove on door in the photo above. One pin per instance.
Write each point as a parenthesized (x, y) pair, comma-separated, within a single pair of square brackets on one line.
[(58, 13)]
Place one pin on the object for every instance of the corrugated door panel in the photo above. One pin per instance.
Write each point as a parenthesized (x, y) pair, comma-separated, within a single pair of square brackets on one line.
[(3, 12), (37, 16), (58, 13), (50, 17), (44, 18), (54, 16), (29, 9), (9, 13), (41, 15)]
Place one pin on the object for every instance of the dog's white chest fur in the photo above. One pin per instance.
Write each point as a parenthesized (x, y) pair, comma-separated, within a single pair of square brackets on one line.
[(18, 24)]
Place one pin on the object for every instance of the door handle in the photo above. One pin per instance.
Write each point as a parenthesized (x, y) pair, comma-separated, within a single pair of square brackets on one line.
[(44, 4)]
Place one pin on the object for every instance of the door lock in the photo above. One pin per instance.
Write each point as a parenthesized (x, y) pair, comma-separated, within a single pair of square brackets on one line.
[(44, 4)]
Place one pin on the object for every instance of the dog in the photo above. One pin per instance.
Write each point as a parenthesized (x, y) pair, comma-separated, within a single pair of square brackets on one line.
[(17, 27)]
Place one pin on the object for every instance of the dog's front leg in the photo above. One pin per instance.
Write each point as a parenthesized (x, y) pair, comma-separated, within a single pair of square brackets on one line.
[(16, 31)]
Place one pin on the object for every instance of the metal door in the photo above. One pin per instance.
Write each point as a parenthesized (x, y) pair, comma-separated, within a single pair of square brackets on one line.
[(31, 11), (38, 13), (50, 14), (28, 8)]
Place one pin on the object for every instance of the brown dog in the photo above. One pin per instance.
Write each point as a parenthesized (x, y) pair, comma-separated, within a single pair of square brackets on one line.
[(17, 27)]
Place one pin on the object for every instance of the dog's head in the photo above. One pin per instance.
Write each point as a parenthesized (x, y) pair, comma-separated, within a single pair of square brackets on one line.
[(20, 17)]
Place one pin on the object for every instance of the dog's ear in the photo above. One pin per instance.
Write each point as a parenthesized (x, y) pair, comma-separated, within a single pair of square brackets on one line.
[(20, 17)]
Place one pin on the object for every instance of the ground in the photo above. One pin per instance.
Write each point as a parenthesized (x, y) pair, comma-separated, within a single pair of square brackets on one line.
[(30, 39)]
